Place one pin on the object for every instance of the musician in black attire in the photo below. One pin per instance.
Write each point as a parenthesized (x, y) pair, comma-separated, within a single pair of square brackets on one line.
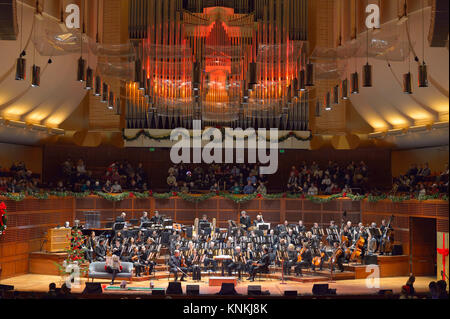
[(100, 251), (136, 260), (261, 266), (245, 220), (117, 249), (90, 247), (118, 236), (209, 259), (340, 259), (238, 262), (306, 260), (145, 261), (300, 228), (175, 265), (156, 219), (291, 261), (144, 218), (193, 262)]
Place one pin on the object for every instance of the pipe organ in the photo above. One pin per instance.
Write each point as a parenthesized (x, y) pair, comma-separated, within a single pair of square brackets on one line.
[(234, 63)]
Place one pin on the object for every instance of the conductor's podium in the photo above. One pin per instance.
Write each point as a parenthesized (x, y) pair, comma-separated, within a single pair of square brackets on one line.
[(58, 240), (218, 281)]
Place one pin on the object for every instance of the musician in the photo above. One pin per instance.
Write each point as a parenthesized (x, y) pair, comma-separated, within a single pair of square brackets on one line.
[(209, 258), (333, 233), (245, 220), (90, 247), (315, 229), (300, 228), (194, 264), (338, 252), (117, 248), (121, 218), (144, 218), (384, 226), (322, 253), (347, 233), (258, 220), (100, 251), (175, 266), (135, 258), (261, 266), (272, 239), (305, 260), (156, 219), (284, 228), (238, 262), (291, 259), (146, 259), (118, 236)]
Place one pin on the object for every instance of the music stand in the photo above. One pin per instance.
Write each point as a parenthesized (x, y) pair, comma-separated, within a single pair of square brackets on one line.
[(146, 225), (119, 226), (263, 226)]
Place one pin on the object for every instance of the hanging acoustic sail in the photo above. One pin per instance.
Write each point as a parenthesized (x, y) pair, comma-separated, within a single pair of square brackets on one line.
[(21, 69), (80, 72), (309, 74), (355, 83), (89, 79), (35, 76), (407, 83), (344, 91), (423, 75), (367, 75)]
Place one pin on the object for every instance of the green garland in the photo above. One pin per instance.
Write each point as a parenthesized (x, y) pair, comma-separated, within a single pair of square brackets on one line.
[(166, 137), (235, 198)]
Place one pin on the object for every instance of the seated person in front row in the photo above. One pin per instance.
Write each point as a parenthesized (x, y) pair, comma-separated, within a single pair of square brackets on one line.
[(261, 266), (175, 265), (113, 266)]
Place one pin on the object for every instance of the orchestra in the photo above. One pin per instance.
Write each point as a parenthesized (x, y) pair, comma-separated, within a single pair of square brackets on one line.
[(239, 248)]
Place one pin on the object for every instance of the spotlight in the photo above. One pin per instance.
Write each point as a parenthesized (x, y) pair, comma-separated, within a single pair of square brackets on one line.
[(89, 79), (105, 90), (407, 84), (111, 100), (253, 70), (20, 69), (80, 73), (317, 109), (137, 71), (367, 75), (143, 80), (309, 74), (423, 75), (302, 81), (98, 86), (355, 83), (336, 94), (36, 76), (345, 89), (328, 102)]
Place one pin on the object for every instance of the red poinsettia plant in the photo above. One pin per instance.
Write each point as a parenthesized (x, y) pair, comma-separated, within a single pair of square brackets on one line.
[(3, 218)]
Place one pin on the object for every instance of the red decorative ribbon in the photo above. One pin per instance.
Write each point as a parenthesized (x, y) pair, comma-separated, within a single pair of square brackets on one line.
[(444, 252), (2, 212)]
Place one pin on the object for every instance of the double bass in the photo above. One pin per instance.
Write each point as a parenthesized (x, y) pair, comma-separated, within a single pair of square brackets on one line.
[(387, 241)]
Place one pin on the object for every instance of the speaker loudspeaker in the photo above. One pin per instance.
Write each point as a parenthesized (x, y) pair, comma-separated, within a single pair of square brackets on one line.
[(93, 288), (227, 290), (320, 289), (254, 290), (174, 288), (158, 292), (192, 290), (291, 293)]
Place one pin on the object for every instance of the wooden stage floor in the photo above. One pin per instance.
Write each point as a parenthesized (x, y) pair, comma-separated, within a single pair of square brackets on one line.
[(39, 283)]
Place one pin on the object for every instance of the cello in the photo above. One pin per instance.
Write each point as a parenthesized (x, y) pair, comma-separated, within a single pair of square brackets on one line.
[(359, 246)]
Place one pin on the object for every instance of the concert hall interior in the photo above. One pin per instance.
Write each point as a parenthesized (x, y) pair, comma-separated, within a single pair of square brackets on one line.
[(212, 148)]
